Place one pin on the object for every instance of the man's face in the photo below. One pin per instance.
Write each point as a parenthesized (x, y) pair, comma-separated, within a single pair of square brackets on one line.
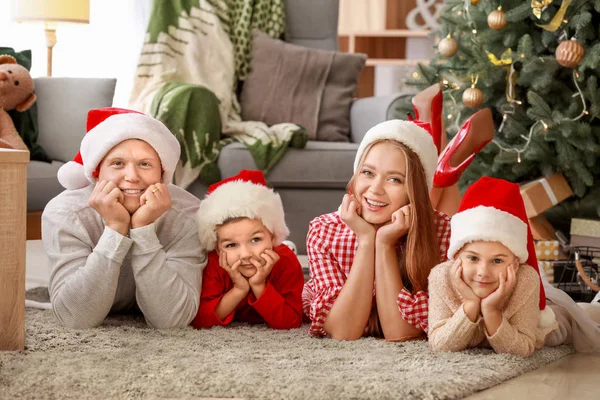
[(132, 166)]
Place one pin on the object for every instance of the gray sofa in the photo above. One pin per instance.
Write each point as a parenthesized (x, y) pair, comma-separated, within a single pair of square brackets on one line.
[(311, 181)]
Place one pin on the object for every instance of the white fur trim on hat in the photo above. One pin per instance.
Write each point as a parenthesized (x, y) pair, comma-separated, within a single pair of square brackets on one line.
[(240, 199), (491, 225), (72, 176), (119, 127), (412, 136)]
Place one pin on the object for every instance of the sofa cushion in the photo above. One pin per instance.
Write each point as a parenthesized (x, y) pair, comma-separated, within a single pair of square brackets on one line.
[(63, 104), (309, 87), (319, 165), (42, 184)]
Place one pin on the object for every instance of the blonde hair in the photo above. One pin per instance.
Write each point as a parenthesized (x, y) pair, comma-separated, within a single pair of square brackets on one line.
[(419, 251)]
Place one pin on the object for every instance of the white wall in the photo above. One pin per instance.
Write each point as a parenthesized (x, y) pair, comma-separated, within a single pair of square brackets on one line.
[(108, 47)]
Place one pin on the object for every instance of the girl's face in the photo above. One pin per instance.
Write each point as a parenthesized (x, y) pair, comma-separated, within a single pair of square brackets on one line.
[(380, 184), (132, 166), (243, 239), (482, 263)]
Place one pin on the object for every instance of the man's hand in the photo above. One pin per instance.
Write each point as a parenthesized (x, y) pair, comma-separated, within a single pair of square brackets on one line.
[(239, 281), (263, 269), (107, 200), (155, 201)]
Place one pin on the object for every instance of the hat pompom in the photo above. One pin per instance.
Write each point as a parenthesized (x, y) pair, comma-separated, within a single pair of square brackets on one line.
[(547, 318), (72, 176)]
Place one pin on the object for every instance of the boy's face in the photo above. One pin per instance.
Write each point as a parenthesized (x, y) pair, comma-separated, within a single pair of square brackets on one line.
[(132, 166), (482, 263), (243, 239)]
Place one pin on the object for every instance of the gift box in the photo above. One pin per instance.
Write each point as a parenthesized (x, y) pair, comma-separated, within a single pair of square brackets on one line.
[(544, 193), (541, 229), (585, 232), (547, 268), (549, 250)]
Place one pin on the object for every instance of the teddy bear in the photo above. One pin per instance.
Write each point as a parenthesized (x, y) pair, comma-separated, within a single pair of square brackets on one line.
[(16, 92)]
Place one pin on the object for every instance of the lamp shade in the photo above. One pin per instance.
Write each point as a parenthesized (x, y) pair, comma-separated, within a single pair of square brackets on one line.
[(75, 11)]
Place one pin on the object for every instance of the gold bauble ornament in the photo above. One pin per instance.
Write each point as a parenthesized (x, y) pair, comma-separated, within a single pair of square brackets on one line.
[(497, 19), (474, 2), (472, 97), (448, 46), (569, 53)]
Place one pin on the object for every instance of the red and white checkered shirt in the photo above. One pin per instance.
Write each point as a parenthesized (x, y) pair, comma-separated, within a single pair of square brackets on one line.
[(331, 246)]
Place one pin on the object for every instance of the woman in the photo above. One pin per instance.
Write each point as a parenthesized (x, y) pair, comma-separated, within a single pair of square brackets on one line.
[(386, 235)]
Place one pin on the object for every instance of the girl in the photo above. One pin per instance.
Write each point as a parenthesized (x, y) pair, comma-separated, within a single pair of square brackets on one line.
[(385, 235), (490, 293)]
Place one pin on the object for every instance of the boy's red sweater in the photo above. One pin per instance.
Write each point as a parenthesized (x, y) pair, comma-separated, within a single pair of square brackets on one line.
[(279, 306)]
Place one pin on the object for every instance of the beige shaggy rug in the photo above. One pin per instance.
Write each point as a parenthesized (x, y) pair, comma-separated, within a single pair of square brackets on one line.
[(125, 359)]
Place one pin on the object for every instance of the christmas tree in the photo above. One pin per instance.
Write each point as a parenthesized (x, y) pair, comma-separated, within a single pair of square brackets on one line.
[(536, 65)]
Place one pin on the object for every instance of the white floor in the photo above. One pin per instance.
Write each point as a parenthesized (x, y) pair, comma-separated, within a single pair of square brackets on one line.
[(37, 267)]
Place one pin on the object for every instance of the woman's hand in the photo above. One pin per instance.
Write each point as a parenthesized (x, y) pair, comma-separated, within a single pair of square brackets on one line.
[(389, 233), (350, 212), (107, 199), (155, 201)]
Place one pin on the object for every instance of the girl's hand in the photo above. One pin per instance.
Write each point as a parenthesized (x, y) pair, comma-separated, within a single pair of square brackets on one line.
[(466, 294), (263, 270), (389, 233), (107, 199), (350, 212), (239, 281), (155, 201), (507, 285)]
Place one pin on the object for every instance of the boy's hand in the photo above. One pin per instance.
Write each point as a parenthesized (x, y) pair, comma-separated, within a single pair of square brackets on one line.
[(107, 199), (239, 281), (389, 233), (263, 269), (155, 201), (350, 213), (507, 285)]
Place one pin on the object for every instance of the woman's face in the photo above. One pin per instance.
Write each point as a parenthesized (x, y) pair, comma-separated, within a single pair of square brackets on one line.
[(482, 263), (132, 166), (380, 184)]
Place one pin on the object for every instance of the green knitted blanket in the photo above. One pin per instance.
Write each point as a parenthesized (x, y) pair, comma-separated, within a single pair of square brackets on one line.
[(194, 54)]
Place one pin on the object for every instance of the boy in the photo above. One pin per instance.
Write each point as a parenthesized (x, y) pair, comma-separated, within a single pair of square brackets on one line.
[(250, 276)]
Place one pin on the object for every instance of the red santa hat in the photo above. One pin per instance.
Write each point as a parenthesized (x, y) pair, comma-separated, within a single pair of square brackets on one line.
[(413, 134), (244, 195), (493, 210), (106, 128)]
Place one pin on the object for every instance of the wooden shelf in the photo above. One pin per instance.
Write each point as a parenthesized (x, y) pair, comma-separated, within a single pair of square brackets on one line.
[(383, 47)]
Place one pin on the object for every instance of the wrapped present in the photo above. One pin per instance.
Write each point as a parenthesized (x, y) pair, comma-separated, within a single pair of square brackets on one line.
[(544, 193), (541, 229), (585, 232), (548, 250), (547, 268)]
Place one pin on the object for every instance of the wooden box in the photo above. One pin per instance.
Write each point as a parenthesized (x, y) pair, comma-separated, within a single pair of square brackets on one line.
[(544, 193), (13, 210)]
